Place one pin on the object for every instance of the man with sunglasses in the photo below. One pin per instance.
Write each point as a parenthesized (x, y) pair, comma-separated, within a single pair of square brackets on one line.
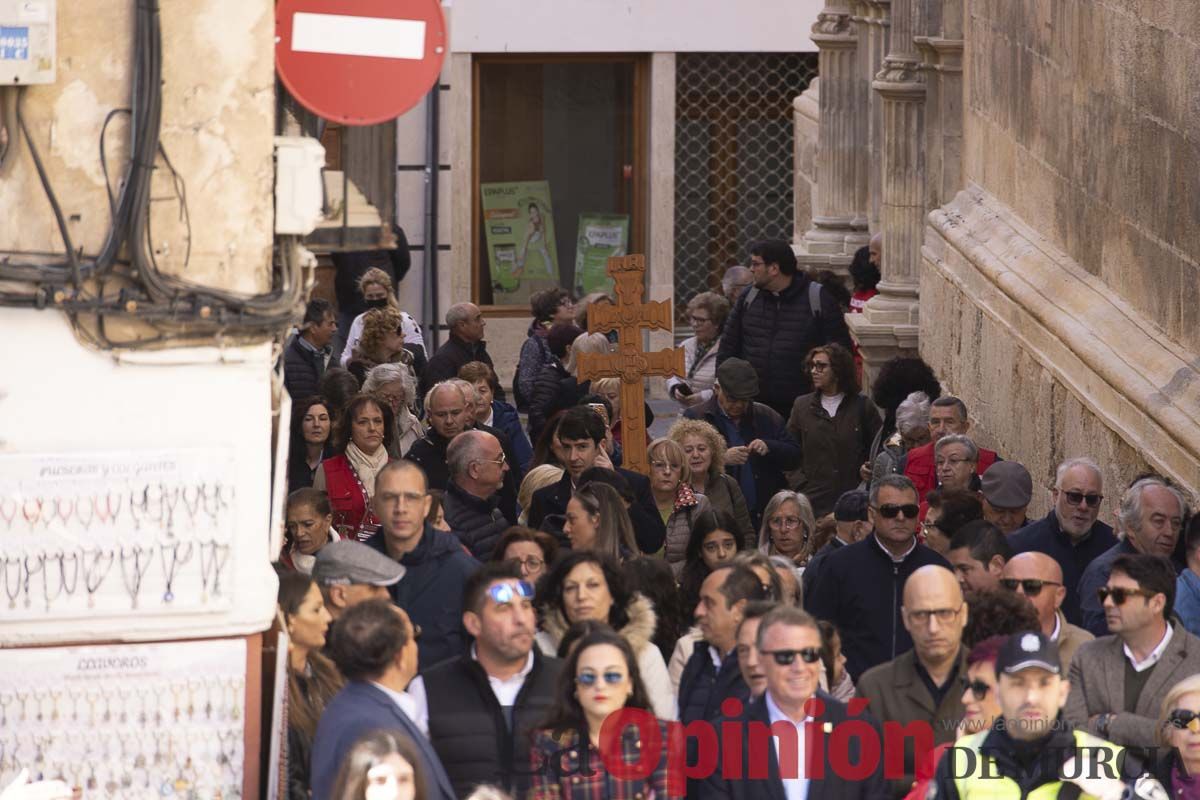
[(481, 708), (1118, 682), (1072, 533), (1150, 519), (859, 586), (923, 685), (793, 708), (1038, 578), (477, 467)]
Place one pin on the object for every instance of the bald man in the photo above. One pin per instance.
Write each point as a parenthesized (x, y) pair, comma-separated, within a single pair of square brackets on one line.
[(923, 685), (1039, 578)]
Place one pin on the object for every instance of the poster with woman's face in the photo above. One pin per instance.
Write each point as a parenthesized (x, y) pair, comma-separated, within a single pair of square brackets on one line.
[(518, 222)]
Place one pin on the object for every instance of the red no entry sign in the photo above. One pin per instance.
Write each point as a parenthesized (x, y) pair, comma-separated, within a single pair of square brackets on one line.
[(359, 62)]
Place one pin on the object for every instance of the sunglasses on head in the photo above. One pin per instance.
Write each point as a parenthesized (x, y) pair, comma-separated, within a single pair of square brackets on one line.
[(978, 688), (589, 679), (809, 655), (1182, 719), (1075, 498), (1119, 595), (889, 511), (1032, 587), (507, 592)]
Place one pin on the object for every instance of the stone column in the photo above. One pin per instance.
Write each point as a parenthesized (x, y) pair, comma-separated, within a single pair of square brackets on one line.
[(888, 327), (875, 21), (838, 228), (941, 47)]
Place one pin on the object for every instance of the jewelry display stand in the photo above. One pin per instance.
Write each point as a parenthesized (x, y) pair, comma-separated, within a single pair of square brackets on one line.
[(145, 533), (168, 720)]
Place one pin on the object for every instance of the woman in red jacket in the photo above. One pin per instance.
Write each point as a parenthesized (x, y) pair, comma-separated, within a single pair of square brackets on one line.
[(359, 438)]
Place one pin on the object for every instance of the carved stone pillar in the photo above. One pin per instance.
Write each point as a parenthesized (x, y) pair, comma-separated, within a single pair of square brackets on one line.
[(874, 21), (888, 326), (939, 40), (838, 228)]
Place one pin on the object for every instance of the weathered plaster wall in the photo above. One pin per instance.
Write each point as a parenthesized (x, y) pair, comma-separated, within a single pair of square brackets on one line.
[(1081, 116), (218, 122)]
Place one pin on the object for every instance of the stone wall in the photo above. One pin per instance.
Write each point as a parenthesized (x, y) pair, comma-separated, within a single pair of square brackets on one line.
[(1081, 116)]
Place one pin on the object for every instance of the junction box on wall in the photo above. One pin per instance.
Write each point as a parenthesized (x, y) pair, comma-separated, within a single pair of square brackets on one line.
[(27, 41)]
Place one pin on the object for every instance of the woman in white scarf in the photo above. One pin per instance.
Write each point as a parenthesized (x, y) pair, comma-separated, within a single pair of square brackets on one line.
[(360, 437)]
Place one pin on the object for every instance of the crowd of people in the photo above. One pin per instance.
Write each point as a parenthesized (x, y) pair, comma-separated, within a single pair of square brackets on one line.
[(480, 601)]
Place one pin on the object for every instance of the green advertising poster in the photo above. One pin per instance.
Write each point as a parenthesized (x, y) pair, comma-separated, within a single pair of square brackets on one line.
[(601, 236), (518, 223)]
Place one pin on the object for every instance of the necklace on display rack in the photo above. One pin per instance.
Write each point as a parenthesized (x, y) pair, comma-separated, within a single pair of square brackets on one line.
[(13, 581), (85, 518), (133, 584), (176, 561), (29, 574), (64, 508), (8, 511), (50, 598), (211, 571), (31, 510), (94, 576), (170, 501)]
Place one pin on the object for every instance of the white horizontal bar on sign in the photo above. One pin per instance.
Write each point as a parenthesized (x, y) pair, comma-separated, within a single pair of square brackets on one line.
[(343, 35)]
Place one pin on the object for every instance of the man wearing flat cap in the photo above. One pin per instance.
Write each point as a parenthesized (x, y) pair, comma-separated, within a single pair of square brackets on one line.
[(760, 448), (1031, 751), (853, 525), (1007, 489), (349, 572)]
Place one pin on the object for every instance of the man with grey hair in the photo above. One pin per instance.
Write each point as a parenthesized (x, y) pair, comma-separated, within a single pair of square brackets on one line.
[(859, 586), (466, 325), (947, 417), (1072, 533), (477, 466), (736, 280), (1149, 521)]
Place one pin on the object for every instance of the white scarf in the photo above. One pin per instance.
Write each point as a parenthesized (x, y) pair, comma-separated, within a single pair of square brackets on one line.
[(366, 467)]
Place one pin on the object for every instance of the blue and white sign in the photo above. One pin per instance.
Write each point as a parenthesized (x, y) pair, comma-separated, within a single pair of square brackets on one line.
[(14, 44)]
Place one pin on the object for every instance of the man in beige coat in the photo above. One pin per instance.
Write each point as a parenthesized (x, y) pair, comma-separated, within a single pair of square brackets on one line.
[(925, 683), (1039, 578), (1118, 682)]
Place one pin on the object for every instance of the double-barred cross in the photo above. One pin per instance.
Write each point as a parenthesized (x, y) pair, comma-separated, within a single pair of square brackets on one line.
[(630, 363)]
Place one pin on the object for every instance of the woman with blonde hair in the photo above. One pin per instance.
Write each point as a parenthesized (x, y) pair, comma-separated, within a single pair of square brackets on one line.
[(704, 449), (378, 291), (679, 504), (539, 477), (381, 343), (1179, 730)]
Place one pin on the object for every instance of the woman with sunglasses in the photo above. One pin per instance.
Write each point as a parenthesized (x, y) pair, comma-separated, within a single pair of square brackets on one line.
[(588, 585), (601, 677), (1179, 730)]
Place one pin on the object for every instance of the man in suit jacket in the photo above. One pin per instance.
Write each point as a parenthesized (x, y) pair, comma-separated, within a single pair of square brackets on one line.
[(923, 685), (1118, 682), (374, 646), (790, 643), (581, 433)]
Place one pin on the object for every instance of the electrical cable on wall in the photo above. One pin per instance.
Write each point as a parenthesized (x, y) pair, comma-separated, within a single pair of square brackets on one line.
[(104, 286)]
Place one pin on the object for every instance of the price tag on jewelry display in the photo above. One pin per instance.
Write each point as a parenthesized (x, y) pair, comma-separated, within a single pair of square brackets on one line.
[(136, 721), (116, 533)]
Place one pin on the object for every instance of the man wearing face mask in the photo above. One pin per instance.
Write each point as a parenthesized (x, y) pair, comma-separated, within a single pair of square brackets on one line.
[(481, 708)]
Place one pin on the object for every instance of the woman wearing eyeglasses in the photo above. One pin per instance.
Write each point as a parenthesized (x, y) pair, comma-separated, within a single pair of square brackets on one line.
[(1179, 730), (706, 312), (532, 551), (587, 585), (834, 426), (601, 677), (679, 505), (396, 385), (787, 525)]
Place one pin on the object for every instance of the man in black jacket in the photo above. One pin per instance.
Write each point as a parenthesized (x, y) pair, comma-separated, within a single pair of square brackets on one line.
[(582, 434), (859, 588), (774, 324), (472, 503), (480, 709), (308, 352), (466, 344), (851, 514), (760, 448)]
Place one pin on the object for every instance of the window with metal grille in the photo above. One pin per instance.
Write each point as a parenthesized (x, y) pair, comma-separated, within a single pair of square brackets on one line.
[(733, 159)]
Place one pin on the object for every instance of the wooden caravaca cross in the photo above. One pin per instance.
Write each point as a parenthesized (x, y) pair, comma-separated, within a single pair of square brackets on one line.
[(630, 363)]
